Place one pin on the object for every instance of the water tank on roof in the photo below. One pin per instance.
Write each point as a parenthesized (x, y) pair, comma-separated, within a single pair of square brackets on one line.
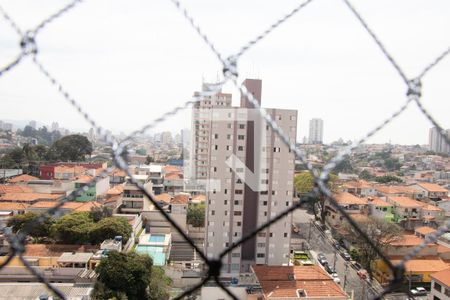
[(118, 238)]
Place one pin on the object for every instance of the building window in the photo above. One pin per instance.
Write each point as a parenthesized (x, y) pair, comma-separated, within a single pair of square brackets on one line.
[(216, 136), (261, 234), (229, 125), (213, 212), (437, 287), (240, 148), (238, 192), (216, 147), (285, 234), (265, 203), (260, 255), (237, 213), (240, 137), (263, 192), (241, 126), (226, 212), (271, 234), (238, 224), (225, 202), (235, 255)]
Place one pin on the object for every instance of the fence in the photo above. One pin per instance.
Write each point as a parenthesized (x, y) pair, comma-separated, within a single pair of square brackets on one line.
[(413, 86)]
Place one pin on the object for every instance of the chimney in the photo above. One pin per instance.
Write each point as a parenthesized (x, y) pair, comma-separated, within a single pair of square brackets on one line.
[(254, 86)]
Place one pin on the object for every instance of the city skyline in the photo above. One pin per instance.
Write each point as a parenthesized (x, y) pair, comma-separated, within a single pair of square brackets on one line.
[(326, 71)]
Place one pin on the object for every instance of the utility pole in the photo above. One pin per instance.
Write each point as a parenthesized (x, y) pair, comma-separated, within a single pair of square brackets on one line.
[(309, 233), (409, 279), (345, 274)]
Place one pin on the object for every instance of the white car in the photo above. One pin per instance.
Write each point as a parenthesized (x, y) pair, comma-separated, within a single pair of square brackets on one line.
[(419, 291), (336, 278)]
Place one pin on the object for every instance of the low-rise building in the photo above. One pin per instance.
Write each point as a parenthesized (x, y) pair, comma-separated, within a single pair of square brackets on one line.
[(440, 285), (351, 204), (431, 190), (133, 199), (381, 209)]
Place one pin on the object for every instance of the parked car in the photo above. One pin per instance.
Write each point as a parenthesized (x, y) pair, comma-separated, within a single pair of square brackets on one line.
[(362, 274), (357, 266), (419, 291), (346, 256), (336, 278), (329, 269), (323, 262), (321, 256), (336, 245)]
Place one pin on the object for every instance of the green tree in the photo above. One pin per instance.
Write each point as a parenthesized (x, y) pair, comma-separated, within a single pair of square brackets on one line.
[(35, 225), (141, 151), (379, 231), (73, 228), (149, 160), (158, 285), (304, 183), (6, 162), (98, 213), (196, 215), (388, 179), (131, 275), (345, 166), (71, 148), (366, 175), (108, 228)]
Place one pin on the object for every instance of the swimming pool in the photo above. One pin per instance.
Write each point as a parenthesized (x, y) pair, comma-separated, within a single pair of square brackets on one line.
[(159, 257), (157, 238)]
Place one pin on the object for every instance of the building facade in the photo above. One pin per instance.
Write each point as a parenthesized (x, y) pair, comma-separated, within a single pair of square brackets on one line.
[(436, 142), (249, 176), (316, 131)]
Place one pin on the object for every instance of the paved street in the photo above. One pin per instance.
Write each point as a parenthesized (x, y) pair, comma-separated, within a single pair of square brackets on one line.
[(319, 243)]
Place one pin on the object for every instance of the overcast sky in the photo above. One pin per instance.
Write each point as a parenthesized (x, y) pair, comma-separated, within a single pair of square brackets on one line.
[(127, 62)]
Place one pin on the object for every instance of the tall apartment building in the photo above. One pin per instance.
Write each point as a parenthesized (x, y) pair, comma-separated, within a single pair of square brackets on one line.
[(249, 178), (436, 142), (316, 131)]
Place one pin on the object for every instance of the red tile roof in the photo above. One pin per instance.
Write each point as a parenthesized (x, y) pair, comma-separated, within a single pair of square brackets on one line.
[(425, 230), (285, 281), (442, 276), (14, 189), (163, 198), (432, 187), (180, 199), (29, 197), (7, 206), (22, 178), (406, 202), (347, 198)]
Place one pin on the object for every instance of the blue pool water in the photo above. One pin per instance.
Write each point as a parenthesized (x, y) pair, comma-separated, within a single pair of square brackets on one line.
[(159, 257), (157, 238)]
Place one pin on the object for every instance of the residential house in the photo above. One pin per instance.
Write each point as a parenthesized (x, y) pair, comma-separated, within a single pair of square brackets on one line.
[(297, 282), (424, 231), (430, 259), (13, 208), (179, 203), (440, 285), (29, 198), (381, 209), (351, 204), (399, 191), (173, 182), (133, 199), (22, 178), (360, 188), (431, 190), (73, 169), (66, 208), (4, 189), (95, 189), (74, 260), (406, 209), (117, 176)]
